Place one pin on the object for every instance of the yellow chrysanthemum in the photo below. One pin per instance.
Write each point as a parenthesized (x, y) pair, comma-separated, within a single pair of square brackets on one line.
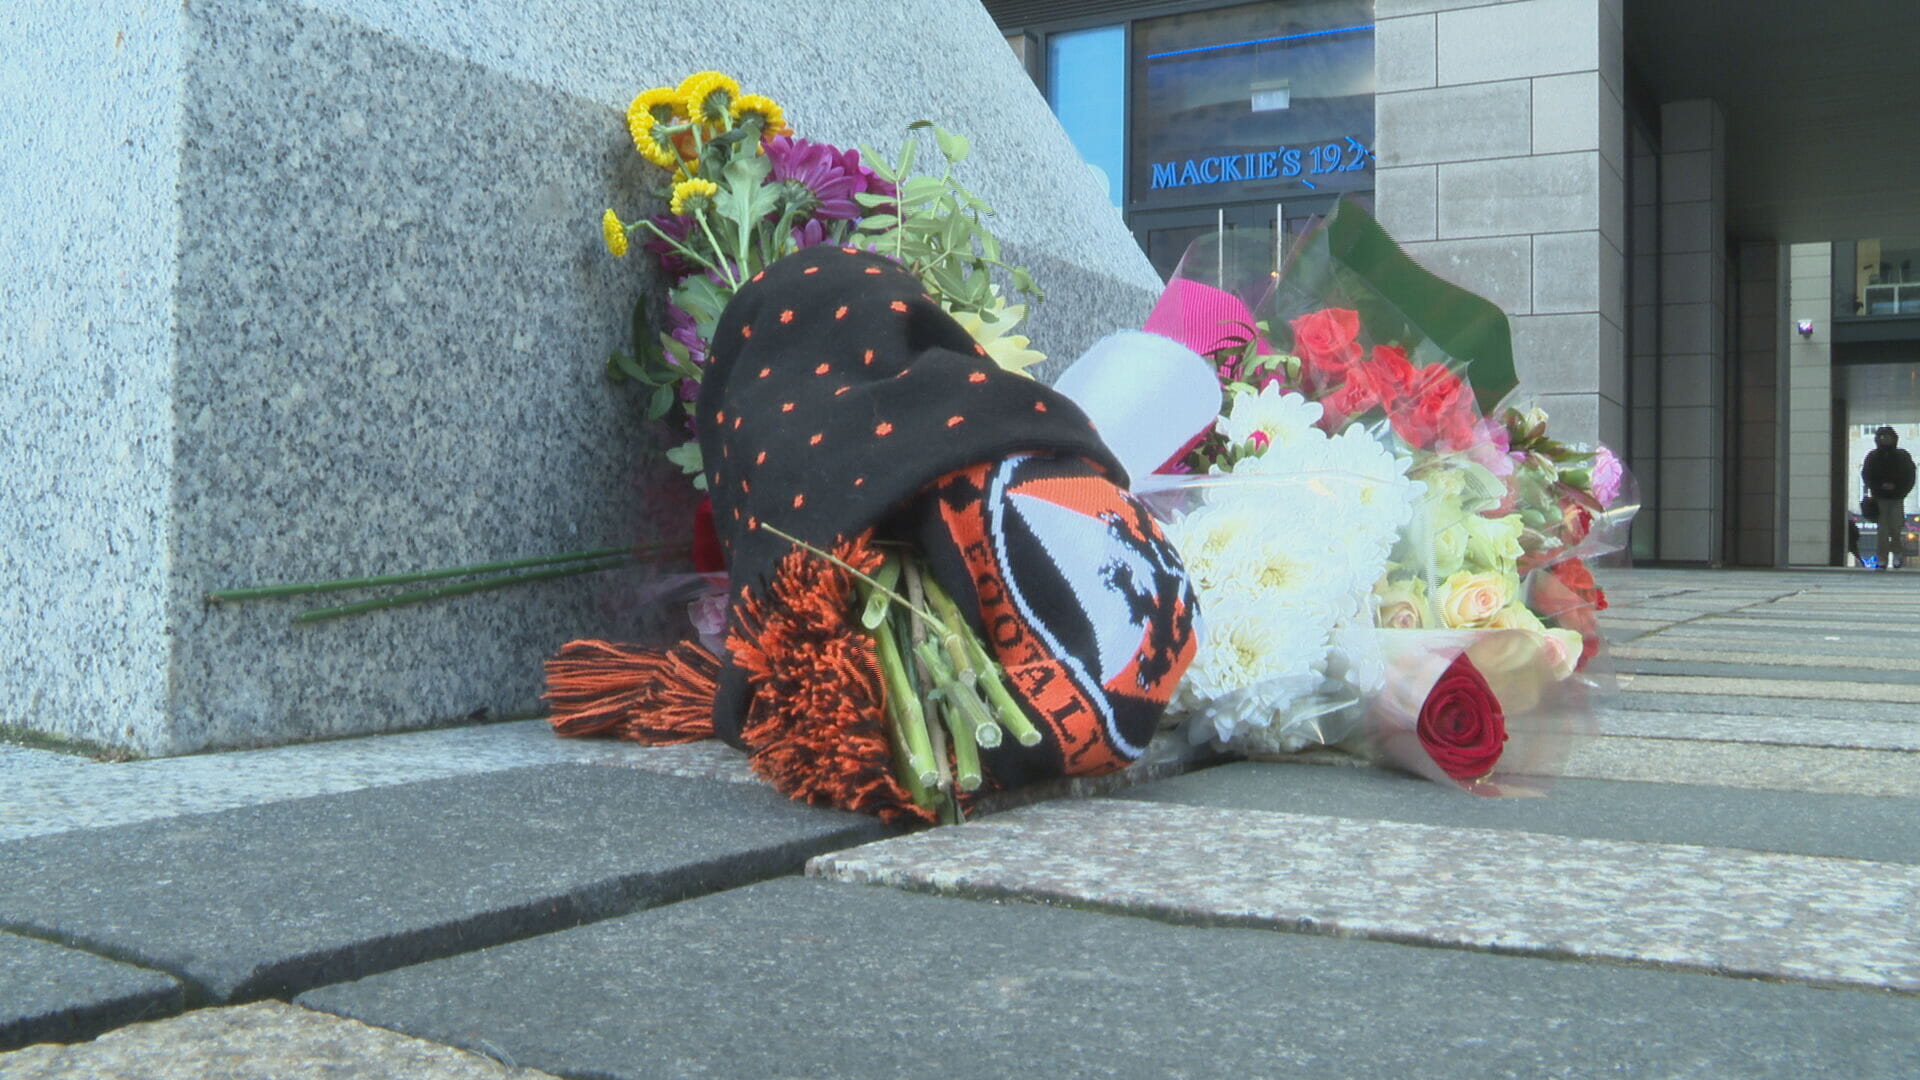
[(708, 97), (651, 138), (616, 234), (772, 120), (693, 196), (663, 102)]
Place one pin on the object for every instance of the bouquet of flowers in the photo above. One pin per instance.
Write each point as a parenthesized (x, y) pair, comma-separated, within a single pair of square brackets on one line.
[(743, 190), (1390, 558), (885, 483)]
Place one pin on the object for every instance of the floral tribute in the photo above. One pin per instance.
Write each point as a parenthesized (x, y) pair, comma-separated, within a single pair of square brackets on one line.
[(1391, 559), (884, 481), (742, 190)]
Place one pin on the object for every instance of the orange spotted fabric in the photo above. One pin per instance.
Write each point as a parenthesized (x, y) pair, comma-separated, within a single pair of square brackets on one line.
[(840, 398)]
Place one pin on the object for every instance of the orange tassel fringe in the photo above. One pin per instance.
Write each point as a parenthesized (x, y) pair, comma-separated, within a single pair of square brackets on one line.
[(817, 720), (652, 696)]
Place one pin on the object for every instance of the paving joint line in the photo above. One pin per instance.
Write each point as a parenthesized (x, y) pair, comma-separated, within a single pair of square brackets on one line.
[(1307, 925)]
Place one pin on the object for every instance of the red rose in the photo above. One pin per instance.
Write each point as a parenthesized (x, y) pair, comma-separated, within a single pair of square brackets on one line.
[(707, 556), (1327, 342), (1461, 726), (1436, 409), (1390, 372), (1569, 596), (1377, 382), (1573, 573)]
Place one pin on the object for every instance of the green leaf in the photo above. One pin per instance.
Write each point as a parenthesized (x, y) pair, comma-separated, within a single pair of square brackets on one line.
[(687, 456), (906, 152), (677, 361), (1352, 257), (879, 164), (745, 197), (958, 233), (879, 223), (989, 244), (702, 299), (871, 198), (954, 146), (620, 367), (661, 401), (921, 189), (918, 124)]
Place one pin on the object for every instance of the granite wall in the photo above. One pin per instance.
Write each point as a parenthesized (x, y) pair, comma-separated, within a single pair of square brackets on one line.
[(316, 290)]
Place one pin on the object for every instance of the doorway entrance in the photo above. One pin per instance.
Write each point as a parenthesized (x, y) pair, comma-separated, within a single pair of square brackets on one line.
[(1165, 234)]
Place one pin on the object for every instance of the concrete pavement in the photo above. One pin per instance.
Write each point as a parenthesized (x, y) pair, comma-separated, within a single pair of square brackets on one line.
[(1726, 882)]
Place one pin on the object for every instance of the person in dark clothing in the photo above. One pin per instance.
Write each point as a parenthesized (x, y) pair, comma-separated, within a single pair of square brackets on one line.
[(1888, 474)]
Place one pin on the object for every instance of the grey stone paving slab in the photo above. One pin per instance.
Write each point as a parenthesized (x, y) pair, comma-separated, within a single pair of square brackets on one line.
[(270, 900), (55, 792), (1788, 731), (268, 1040), (50, 993), (1881, 773), (1826, 921), (1787, 658), (1844, 687), (797, 978), (1866, 639), (1796, 823), (1629, 699), (1907, 681)]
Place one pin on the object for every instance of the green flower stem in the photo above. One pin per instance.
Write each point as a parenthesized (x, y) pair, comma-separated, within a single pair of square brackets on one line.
[(965, 717), (227, 596), (875, 612), (937, 739), (864, 577), (1011, 716), (966, 756), (963, 700), (904, 704), (677, 245), (483, 585), (723, 269), (915, 789), (1006, 710)]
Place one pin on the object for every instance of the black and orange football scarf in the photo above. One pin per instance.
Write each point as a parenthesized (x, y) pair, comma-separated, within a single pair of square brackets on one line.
[(842, 404)]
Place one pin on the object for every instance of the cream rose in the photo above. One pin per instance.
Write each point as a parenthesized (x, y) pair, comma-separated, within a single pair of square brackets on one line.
[(1403, 603), (1563, 650), (1469, 601), (1493, 544)]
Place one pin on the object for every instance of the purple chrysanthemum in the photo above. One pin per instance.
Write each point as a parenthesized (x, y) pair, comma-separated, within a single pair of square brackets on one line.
[(830, 175)]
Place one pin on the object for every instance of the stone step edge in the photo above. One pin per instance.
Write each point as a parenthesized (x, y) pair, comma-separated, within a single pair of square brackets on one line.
[(843, 866)]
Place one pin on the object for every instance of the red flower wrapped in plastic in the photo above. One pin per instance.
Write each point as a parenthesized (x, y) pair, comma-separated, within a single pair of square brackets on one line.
[(1461, 726), (1437, 411), (1328, 343)]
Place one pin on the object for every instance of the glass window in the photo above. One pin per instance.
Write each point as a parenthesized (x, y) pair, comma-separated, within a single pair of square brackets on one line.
[(1260, 101), (1086, 85), (1886, 278)]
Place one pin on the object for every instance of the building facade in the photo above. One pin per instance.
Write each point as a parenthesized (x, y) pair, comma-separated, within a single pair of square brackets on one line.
[(1701, 218)]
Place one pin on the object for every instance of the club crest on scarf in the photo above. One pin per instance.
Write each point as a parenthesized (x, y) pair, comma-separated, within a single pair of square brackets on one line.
[(1081, 596)]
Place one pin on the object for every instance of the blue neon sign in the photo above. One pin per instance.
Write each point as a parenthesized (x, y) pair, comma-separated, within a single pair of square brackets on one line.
[(1280, 163)]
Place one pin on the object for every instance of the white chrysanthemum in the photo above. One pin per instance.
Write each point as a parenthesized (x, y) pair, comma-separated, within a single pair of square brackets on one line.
[(1212, 539), (1285, 547), (1256, 660), (1282, 419)]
